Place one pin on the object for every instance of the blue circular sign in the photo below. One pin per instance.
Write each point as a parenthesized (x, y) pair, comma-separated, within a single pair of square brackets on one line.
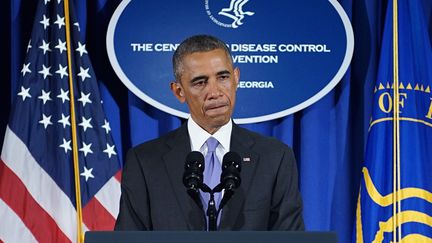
[(290, 53)]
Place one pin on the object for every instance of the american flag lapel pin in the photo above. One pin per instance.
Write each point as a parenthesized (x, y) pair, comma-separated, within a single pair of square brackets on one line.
[(246, 159)]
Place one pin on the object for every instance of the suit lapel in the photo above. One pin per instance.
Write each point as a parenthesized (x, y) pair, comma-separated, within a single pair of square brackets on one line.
[(179, 147), (241, 143)]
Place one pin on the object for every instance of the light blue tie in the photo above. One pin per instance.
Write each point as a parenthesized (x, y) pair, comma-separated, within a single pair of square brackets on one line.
[(212, 173)]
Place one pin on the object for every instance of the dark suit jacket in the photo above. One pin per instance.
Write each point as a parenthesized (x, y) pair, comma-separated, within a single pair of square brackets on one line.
[(154, 197)]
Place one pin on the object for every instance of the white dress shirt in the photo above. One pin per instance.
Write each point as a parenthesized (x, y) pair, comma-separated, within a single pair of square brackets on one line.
[(199, 136)]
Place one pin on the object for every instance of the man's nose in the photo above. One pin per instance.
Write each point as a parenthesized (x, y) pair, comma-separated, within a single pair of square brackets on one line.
[(213, 88)]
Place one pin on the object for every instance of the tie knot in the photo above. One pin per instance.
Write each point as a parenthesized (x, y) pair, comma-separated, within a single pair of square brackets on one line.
[(212, 143)]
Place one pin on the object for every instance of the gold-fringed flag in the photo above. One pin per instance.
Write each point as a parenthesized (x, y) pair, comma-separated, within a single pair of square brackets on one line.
[(58, 164), (395, 199)]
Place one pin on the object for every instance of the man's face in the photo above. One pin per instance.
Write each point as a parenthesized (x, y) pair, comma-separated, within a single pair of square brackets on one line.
[(208, 85)]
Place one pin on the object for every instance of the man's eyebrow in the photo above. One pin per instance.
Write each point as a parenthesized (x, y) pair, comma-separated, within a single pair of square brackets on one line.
[(223, 72), (206, 77), (199, 78)]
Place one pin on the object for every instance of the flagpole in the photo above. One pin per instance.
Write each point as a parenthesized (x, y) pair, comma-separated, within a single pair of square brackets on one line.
[(80, 235), (396, 132)]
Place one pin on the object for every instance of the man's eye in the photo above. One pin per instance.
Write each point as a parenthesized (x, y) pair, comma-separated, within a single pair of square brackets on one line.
[(198, 83), (223, 77)]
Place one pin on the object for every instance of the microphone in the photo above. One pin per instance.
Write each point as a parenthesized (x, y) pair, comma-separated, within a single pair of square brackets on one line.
[(194, 169), (230, 177), (193, 175), (231, 167)]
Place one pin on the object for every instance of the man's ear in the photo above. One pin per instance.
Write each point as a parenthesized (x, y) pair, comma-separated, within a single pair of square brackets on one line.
[(177, 90), (236, 76)]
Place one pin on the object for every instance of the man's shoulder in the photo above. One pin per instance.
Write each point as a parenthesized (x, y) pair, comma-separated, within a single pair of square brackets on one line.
[(261, 140), (159, 143)]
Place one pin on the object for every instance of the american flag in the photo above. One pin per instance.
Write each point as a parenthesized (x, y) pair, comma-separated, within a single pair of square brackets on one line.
[(37, 191)]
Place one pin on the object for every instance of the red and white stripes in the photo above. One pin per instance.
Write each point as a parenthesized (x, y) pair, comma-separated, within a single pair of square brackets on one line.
[(34, 208)]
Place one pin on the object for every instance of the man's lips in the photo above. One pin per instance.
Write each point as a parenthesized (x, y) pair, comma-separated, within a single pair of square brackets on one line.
[(215, 106)]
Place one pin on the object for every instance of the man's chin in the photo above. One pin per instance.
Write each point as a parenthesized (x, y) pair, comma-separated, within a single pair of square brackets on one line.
[(212, 124), (218, 121)]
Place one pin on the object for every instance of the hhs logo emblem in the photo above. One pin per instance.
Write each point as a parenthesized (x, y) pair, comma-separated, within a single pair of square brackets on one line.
[(234, 12), (271, 63)]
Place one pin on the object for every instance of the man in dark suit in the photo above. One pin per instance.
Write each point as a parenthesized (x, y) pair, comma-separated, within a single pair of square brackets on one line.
[(153, 195)]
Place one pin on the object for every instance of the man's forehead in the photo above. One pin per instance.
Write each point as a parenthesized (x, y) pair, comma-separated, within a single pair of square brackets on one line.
[(219, 51), (217, 56)]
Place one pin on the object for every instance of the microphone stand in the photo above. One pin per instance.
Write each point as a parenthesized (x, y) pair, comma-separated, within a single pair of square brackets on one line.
[(212, 212), (193, 180)]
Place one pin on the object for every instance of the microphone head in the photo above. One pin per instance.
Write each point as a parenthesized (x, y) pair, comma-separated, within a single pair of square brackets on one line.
[(231, 167), (195, 158), (231, 159), (194, 169)]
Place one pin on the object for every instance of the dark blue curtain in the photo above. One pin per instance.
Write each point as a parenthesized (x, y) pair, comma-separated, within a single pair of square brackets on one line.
[(328, 137)]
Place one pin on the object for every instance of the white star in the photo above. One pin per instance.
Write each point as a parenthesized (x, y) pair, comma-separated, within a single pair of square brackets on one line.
[(58, 1), (106, 126), (81, 49), (25, 69), (84, 73), (87, 173), (45, 21), (61, 46), (66, 145), (45, 71), (60, 21), (85, 99), (45, 46), (64, 121), (46, 1), (77, 25), (86, 149), (110, 150), (24, 93), (62, 71), (85, 123), (45, 96), (45, 121), (63, 95), (29, 46)]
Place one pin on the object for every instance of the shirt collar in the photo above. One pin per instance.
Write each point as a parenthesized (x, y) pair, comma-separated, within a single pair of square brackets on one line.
[(199, 136)]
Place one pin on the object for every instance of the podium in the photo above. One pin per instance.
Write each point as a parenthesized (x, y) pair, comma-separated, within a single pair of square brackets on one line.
[(210, 237)]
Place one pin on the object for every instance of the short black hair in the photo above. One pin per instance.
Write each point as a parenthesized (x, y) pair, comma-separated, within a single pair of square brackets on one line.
[(196, 43)]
